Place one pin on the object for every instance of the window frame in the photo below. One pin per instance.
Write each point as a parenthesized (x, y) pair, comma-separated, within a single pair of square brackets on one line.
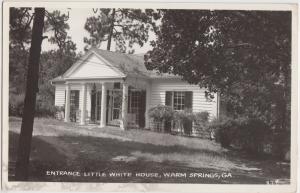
[(178, 100)]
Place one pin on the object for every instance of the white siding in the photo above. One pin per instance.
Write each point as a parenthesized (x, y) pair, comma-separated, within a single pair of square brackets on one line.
[(88, 105), (200, 103), (60, 94), (93, 67)]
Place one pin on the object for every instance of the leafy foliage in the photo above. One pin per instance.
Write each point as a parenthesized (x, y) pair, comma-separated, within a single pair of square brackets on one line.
[(17, 69), (201, 125), (125, 26), (16, 104), (19, 27), (182, 120), (201, 117), (52, 63), (225, 129), (160, 114), (19, 39), (56, 23), (244, 55), (249, 135)]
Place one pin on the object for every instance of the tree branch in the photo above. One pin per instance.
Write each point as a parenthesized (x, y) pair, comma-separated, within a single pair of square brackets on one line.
[(28, 22)]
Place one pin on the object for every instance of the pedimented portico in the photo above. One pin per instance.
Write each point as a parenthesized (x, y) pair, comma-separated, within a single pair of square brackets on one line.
[(99, 92)]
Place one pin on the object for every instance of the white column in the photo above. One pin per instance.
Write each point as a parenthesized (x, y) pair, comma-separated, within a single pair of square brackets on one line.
[(88, 102), (148, 97), (67, 103), (103, 106), (123, 124), (83, 104), (218, 105)]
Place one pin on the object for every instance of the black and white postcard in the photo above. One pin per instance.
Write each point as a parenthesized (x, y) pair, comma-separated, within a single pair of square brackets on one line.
[(169, 97)]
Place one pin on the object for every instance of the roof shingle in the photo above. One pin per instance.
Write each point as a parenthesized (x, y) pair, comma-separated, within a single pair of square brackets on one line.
[(129, 64)]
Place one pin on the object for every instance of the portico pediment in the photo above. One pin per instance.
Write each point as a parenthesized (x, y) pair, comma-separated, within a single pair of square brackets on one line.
[(92, 66)]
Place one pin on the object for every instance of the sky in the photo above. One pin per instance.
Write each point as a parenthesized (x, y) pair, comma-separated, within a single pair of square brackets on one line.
[(77, 18)]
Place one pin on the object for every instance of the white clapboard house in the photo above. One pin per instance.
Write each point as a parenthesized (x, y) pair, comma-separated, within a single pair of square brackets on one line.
[(110, 88)]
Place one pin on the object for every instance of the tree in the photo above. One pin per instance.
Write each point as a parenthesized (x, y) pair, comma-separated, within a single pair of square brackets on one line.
[(30, 97), (19, 41), (20, 37), (54, 22), (53, 62), (125, 26), (244, 55), (19, 26)]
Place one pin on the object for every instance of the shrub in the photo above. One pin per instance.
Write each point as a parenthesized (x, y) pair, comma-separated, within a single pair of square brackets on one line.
[(281, 143), (16, 104), (201, 117), (201, 125), (44, 104), (161, 114), (201, 120), (251, 135), (184, 120), (60, 108), (44, 109), (60, 112), (225, 129), (247, 134)]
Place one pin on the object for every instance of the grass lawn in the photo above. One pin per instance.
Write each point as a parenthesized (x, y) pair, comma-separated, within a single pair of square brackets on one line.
[(136, 155)]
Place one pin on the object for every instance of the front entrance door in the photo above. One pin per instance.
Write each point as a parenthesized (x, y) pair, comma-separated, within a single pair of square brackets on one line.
[(136, 108), (74, 105), (95, 106)]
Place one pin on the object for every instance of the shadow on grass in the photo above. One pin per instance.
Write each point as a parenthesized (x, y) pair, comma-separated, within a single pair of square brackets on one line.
[(42, 154), (94, 154)]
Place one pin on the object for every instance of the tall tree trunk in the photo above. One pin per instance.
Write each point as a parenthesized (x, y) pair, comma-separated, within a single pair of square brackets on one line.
[(111, 29), (287, 97), (22, 164)]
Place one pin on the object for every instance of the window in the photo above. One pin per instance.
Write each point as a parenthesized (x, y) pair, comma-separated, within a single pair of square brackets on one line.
[(178, 100), (117, 103), (98, 105), (134, 105), (74, 99), (117, 85)]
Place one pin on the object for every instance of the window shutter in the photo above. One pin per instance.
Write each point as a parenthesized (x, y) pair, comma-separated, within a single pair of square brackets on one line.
[(129, 101), (142, 109), (99, 105), (77, 99), (188, 101), (93, 104), (188, 105), (168, 100)]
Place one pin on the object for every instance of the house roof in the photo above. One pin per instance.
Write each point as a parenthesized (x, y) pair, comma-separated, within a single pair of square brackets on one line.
[(58, 79), (129, 64)]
